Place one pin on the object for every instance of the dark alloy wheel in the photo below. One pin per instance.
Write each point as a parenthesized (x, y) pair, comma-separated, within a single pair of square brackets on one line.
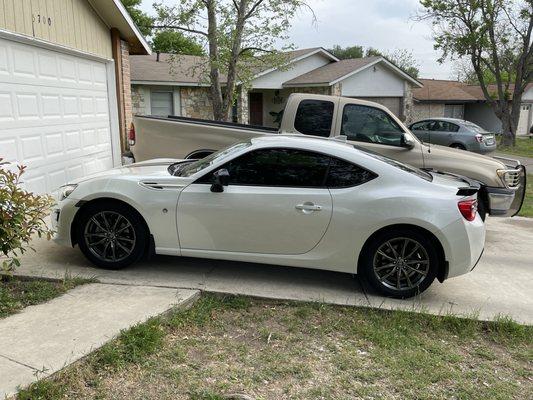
[(400, 263), (111, 236)]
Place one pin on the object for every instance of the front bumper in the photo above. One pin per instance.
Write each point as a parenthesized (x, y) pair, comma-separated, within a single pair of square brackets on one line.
[(507, 202), (62, 217)]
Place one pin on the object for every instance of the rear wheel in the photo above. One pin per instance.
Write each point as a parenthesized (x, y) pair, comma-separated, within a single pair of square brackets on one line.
[(400, 263), (458, 146), (111, 236)]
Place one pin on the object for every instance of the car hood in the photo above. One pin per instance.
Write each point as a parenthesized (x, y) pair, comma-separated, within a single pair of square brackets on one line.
[(439, 152), (156, 168)]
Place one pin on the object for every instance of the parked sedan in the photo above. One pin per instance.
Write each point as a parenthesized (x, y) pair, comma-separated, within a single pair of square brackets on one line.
[(282, 199), (456, 133)]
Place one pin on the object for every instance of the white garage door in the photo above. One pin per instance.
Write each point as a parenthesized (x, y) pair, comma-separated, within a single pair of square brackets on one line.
[(54, 114)]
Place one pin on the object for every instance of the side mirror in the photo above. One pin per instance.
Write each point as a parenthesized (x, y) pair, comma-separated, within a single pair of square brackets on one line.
[(221, 180), (407, 141)]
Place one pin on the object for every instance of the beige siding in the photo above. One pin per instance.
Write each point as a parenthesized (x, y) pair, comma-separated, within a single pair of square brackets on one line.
[(71, 23)]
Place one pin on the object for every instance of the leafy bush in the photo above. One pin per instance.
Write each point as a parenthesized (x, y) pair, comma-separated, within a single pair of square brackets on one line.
[(22, 215)]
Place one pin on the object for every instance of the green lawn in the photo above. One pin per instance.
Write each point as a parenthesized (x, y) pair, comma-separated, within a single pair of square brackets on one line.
[(286, 350), (524, 147), (17, 293)]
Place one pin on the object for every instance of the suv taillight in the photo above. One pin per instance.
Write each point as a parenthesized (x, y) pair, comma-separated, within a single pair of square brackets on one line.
[(479, 138), (131, 135), (468, 209)]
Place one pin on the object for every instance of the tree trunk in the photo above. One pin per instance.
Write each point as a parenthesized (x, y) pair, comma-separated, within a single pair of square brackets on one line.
[(508, 133), (214, 71)]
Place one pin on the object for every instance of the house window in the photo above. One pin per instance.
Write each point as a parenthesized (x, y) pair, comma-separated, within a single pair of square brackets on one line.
[(453, 111), (162, 103)]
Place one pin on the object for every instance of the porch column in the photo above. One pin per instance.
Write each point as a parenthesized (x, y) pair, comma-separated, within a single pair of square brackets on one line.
[(243, 113)]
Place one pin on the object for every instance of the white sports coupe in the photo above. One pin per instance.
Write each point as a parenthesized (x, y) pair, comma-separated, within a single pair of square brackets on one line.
[(282, 199)]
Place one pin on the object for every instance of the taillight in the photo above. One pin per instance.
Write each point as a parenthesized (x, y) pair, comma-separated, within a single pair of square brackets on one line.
[(131, 135), (479, 138), (468, 209)]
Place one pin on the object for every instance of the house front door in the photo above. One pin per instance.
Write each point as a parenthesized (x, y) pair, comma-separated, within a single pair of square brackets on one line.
[(256, 108)]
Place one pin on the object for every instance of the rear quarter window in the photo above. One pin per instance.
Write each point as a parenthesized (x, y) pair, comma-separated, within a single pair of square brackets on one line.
[(314, 117)]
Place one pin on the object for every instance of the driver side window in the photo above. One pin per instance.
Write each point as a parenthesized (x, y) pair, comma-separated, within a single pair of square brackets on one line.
[(371, 125)]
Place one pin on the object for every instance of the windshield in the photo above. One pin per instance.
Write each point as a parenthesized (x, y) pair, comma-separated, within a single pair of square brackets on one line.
[(404, 167), (188, 169)]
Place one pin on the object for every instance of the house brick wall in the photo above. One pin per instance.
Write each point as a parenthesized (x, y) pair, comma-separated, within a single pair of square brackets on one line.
[(426, 110), (138, 100), (406, 112), (126, 85), (196, 102)]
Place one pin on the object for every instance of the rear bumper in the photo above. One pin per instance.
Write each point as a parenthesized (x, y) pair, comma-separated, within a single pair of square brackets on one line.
[(466, 241)]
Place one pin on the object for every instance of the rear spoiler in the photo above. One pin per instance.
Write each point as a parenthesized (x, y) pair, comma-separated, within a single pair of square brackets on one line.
[(473, 185)]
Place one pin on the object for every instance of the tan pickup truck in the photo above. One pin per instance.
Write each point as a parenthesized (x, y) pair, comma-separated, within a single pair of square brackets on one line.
[(365, 124)]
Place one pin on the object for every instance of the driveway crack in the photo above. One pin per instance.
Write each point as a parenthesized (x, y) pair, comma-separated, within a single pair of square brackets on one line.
[(37, 370)]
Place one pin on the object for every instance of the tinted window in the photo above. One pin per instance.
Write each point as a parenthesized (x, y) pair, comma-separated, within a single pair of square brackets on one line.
[(397, 164), (345, 174), (369, 124), (420, 126), (276, 167), (314, 117), (444, 126)]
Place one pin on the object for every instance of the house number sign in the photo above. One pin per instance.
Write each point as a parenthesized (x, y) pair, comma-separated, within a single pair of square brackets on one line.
[(41, 19)]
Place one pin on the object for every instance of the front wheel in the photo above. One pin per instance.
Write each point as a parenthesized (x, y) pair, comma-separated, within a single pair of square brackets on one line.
[(400, 263), (111, 236)]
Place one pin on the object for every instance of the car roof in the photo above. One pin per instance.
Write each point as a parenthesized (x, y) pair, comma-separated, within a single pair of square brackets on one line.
[(448, 119), (303, 141)]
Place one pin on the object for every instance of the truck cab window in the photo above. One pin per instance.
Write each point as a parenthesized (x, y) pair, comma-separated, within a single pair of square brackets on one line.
[(314, 117), (371, 125)]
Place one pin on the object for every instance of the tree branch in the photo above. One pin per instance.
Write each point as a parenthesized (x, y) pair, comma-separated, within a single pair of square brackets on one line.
[(181, 28)]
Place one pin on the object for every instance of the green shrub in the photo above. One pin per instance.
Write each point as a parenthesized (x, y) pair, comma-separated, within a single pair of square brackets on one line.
[(22, 215)]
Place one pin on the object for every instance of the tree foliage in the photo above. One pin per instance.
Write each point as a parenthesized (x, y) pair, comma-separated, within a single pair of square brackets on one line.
[(495, 36), (21, 216), (240, 36), (143, 21), (345, 53), (402, 58), (175, 42)]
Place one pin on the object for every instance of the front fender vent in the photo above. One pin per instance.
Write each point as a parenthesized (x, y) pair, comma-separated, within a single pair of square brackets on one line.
[(161, 185)]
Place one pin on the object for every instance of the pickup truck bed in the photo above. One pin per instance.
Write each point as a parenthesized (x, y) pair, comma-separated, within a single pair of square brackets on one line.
[(183, 137)]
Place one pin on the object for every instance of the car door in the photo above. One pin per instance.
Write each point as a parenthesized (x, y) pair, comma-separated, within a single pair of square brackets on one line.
[(276, 203), (421, 129), (375, 130), (441, 133)]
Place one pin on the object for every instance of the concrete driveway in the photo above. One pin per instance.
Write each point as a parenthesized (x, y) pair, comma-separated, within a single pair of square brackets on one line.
[(502, 284)]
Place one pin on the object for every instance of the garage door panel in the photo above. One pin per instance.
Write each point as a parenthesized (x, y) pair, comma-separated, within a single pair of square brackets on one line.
[(54, 114), (6, 107), (9, 149)]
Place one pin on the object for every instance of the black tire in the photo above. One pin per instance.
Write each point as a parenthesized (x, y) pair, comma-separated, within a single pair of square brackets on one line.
[(370, 257), (127, 231), (458, 146)]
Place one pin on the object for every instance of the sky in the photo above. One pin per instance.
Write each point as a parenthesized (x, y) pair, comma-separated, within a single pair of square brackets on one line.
[(383, 24)]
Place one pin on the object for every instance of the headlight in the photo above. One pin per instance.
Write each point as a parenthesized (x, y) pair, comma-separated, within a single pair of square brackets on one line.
[(65, 191), (509, 177)]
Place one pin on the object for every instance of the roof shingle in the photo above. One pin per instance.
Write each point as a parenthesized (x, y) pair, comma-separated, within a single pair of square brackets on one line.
[(331, 72)]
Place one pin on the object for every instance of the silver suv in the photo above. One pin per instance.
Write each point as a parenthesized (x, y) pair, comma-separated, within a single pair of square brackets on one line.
[(457, 133)]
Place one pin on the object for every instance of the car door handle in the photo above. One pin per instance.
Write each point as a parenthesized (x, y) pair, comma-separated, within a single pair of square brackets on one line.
[(308, 207)]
